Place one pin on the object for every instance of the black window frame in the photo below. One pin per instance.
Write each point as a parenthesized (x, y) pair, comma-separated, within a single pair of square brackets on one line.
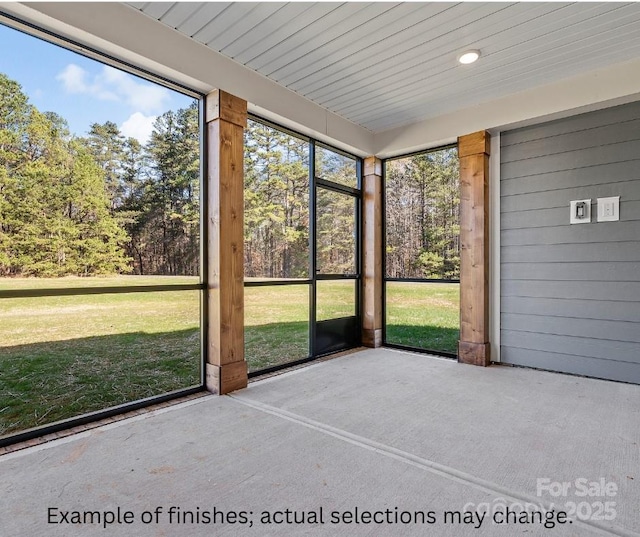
[(385, 279), (314, 183), (54, 39)]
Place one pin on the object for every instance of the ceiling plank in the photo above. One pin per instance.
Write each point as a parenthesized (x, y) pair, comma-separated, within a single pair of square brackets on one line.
[(202, 17), (311, 36), (380, 57), (156, 10), (272, 30), (227, 17), (359, 36), (237, 31), (180, 12), (499, 89), (440, 71)]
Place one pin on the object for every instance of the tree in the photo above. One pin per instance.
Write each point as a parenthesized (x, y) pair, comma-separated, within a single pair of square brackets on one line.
[(55, 212), (106, 203), (276, 187), (335, 214), (14, 113), (106, 144), (422, 216), (170, 226)]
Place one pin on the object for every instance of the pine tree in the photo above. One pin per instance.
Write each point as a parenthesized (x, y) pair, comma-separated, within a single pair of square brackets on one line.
[(171, 196), (106, 144), (55, 209), (276, 203), (422, 216)]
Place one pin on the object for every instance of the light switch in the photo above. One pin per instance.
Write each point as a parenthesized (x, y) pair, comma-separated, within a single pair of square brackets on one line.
[(609, 209), (580, 212)]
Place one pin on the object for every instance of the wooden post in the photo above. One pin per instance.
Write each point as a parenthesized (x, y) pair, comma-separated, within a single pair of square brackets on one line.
[(473, 151), (226, 118), (372, 253)]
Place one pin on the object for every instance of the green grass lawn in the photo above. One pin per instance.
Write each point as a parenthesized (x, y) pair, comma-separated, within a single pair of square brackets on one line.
[(65, 356), (277, 319), (276, 325), (335, 299), (423, 315)]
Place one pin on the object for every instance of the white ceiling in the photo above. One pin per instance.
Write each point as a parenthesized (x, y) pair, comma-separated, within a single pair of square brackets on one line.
[(385, 65)]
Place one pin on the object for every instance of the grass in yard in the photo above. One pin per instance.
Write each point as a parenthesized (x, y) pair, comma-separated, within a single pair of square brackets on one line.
[(65, 356), (335, 299), (423, 315), (276, 325), (277, 319)]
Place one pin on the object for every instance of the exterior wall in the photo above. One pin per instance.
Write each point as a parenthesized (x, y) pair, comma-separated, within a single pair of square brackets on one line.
[(570, 294)]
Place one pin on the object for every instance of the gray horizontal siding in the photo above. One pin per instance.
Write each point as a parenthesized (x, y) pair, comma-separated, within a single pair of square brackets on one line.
[(574, 141), (576, 178), (557, 216), (560, 197), (605, 350), (600, 271), (615, 291), (570, 160), (606, 310), (568, 253), (578, 233), (574, 124), (628, 332), (570, 294), (577, 365)]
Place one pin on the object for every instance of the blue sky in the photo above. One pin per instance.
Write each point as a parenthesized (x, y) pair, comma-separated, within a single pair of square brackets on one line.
[(81, 90)]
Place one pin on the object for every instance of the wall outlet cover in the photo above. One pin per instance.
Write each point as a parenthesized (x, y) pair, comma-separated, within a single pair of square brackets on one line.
[(580, 211), (609, 209)]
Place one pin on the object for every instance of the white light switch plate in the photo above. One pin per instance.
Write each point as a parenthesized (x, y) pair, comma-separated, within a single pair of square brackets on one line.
[(609, 209)]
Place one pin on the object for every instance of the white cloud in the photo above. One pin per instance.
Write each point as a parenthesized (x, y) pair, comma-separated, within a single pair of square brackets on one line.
[(114, 85), (138, 126), (73, 78), (145, 97), (76, 80)]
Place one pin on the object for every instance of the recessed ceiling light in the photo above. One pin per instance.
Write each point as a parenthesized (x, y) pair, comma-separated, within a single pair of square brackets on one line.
[(469, 56)]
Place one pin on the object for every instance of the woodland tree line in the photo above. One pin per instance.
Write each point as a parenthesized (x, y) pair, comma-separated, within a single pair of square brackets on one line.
[(423, 216), (277, 207), (98, 204), (422, 211), (104, 204)]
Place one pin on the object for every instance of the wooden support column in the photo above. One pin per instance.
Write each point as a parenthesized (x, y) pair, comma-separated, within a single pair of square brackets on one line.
[(372, 253), (226, 117), (473, 151)]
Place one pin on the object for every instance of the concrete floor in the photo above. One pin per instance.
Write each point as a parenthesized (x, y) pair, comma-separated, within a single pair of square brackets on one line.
[(380, 431)]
